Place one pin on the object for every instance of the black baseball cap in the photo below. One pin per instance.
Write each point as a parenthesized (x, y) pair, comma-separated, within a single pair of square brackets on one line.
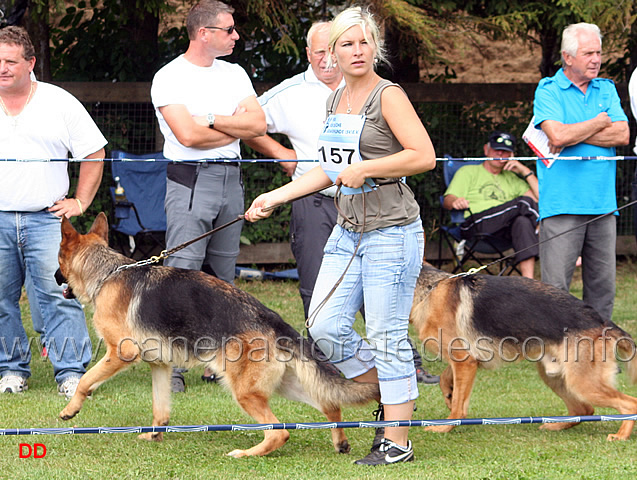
[(502, 141)]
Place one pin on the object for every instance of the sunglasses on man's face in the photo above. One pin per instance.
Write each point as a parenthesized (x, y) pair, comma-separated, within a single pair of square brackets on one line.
[(229, 30)]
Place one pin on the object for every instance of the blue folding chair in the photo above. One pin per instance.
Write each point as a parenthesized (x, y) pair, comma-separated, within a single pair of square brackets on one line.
[(139, 209), (479, 248)]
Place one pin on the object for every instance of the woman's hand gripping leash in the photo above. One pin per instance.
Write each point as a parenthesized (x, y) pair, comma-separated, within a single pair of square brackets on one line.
[(263, 206)]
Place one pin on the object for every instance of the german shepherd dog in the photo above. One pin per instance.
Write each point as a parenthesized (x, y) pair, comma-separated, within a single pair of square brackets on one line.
[(174, 317), (483, 321)]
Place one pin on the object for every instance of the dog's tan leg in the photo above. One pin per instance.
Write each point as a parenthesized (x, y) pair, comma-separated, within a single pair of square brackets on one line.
[(598, 389), (464, 375), (625, 405), (446, 385), (574, 404), (161, 374), (624, 431), (341, 445), (256, 405), (111, 363)]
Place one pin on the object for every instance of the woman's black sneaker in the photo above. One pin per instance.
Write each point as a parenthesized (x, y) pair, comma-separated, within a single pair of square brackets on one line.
[(379, 416), (387, 453)]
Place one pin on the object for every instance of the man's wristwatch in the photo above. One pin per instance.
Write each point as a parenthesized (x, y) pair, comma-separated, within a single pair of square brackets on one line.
[(211, 120)]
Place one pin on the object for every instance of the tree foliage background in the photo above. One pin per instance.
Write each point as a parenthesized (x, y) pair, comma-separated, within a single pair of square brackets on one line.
[(121, 40), (129, 40)]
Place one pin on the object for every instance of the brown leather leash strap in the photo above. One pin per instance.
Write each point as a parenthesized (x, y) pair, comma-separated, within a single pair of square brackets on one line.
[(165, 253)]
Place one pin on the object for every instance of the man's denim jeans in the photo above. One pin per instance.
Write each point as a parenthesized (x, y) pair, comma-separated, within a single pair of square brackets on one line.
[(29, 242)]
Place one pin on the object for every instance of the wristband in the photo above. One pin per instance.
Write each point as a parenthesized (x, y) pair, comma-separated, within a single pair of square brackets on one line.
[(79, 205), (527, 175)]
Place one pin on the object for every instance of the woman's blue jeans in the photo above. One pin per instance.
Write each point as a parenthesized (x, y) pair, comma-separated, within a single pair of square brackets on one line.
[(383, 275)]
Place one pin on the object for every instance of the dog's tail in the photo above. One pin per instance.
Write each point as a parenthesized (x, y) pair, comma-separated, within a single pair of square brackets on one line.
[(323, 384)]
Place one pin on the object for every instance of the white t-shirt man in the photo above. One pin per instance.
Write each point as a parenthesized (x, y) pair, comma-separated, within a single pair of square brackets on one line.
[(180, 82), (52, 125)]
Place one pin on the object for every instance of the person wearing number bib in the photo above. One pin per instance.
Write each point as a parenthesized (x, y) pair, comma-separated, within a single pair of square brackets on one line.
[(371, 139)]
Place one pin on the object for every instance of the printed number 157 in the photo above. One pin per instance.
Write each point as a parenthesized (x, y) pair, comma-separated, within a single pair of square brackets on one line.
[(336, 155)]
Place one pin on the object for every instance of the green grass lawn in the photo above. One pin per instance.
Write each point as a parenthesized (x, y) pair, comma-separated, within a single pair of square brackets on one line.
[(475, 452)]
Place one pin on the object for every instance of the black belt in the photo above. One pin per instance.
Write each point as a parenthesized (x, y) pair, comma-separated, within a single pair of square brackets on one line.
[(206, 164), (185, 173), (386, 182)]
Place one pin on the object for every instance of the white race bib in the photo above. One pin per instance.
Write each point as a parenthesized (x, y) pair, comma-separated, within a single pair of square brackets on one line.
[(338, 147)]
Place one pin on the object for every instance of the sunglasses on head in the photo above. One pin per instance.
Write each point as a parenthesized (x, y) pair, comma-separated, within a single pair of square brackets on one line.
[(506, 141), (228, 30)]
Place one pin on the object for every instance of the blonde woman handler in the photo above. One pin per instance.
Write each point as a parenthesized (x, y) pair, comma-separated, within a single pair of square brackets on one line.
[(369, 119)]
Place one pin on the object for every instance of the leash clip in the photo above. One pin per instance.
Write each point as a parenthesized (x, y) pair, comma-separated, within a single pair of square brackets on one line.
[(471, 271), (157, 258)]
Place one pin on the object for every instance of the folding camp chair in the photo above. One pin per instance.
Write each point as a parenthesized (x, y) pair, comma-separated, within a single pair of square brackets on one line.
[(139, 208), (482, 248)]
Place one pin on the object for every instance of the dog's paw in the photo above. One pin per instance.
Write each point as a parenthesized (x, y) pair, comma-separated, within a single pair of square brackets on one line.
[(343, 447), (556, 427), (152, 437), (613, 437), (439, 428), (237, 454), (67, 414)]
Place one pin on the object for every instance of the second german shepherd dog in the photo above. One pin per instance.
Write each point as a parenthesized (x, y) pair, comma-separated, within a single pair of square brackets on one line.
[(483, 321), (168, 316)]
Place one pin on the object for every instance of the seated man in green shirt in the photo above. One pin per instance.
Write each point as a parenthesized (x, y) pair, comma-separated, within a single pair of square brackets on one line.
[(500, 198)]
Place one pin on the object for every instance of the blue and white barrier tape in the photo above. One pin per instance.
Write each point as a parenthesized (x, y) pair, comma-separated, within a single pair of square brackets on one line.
[(317, 425)]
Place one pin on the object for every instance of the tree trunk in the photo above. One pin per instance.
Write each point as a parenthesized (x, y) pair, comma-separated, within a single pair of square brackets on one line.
[(37, 24), (143, 32), (550, 41), (403, 58)]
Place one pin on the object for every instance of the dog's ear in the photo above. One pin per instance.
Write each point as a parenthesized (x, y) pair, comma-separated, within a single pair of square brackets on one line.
[(67, 228), (100, 226)]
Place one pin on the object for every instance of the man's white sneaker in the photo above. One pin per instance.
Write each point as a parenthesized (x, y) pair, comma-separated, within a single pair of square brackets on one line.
[(13, 384), (68, 387)]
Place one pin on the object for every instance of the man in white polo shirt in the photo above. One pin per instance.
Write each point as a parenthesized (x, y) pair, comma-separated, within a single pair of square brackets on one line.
[(296, 108)]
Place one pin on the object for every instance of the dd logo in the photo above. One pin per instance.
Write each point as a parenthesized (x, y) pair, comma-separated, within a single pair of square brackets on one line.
[(37, 450)]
